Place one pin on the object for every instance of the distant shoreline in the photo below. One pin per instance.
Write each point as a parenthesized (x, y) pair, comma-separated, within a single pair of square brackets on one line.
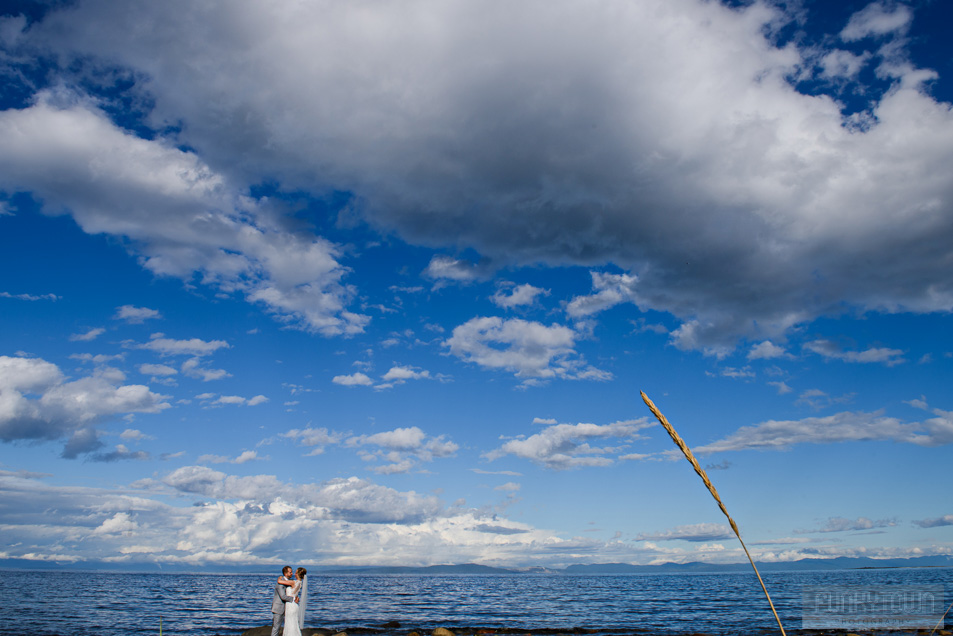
[(838, 563)]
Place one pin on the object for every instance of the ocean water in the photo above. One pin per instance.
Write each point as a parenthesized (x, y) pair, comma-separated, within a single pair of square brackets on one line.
[(123, 604)]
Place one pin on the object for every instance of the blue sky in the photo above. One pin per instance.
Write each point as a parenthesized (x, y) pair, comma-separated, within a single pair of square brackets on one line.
[(358, 283)]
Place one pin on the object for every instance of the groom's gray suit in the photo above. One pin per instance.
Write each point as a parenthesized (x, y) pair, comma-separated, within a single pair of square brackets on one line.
[(278, 607)]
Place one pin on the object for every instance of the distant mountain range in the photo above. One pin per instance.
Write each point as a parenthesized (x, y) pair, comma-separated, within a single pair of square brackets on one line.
[(839, 563)]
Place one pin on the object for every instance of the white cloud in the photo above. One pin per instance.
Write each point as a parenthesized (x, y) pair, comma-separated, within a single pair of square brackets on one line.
[(732, 372), (529, 349), (782, 387), (399, 375), (817, 399), (399, 439), (508, 473), (64, 408), (120, 453), (610, 290), (316, 438), (945, 520), (244, 457), (355, 379), (840, 63), (446, 268), (517, 296), (641, 325), (119, 523), (767, 350), (634, 457), (564, 446), (96, 359), (840, 524), (876, 19), (192, 368), (939, 429), (183, 217), (156, 369), (693, 162), (350, 499), (92, 334), (31, 297), (840, 427), (134, 435), (510, 486), (169, 346), (696, 532), (215, 400), (403, 448), (831, 350), (136, 315)]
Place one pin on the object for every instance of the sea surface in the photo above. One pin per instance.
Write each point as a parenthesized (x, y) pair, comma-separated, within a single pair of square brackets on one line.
[(71, 603)]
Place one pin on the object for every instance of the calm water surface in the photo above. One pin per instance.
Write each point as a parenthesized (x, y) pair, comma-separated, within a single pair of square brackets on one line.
[(110, 604)]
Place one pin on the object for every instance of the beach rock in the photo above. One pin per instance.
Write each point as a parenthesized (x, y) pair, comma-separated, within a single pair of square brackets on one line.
[(414, 634), (442, 631), (390, 625)]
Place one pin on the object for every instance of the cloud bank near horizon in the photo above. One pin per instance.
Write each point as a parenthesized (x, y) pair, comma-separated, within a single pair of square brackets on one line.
[(247, 520)]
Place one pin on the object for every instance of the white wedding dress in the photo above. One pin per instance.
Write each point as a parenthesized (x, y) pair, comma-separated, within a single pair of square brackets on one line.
[(294, 612)]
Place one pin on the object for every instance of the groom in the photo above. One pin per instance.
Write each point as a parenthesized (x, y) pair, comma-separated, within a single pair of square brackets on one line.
[(278, 602)]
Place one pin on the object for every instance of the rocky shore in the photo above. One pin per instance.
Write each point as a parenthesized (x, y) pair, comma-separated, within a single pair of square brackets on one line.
[(396, 629)]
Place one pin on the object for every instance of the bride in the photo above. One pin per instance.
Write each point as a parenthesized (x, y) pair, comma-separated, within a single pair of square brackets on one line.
[(294, 612)]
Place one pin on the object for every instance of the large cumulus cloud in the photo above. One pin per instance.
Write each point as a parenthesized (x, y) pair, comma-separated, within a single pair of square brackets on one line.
[(663, 136), (37, 402)]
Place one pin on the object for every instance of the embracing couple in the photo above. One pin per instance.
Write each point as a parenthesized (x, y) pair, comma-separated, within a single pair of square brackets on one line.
[(291, 597)]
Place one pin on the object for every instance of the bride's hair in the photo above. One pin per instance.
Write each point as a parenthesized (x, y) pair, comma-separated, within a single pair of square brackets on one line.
[(301, 573)]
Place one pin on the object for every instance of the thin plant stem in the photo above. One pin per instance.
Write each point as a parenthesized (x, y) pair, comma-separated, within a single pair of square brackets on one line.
[(941, 619), (701, 473)]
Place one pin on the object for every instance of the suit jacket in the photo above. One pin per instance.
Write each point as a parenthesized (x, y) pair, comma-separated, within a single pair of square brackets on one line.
[(281, 597)]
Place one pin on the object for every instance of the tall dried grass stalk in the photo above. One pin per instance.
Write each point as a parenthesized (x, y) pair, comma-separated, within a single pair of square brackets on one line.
[(941, 619), (714, 493)]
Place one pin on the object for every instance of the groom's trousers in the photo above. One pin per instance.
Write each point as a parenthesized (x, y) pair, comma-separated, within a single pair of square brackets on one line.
[(276, 623)]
